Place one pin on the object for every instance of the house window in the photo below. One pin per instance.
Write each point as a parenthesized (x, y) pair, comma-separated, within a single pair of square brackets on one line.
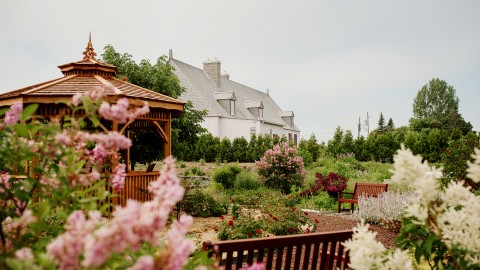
[(289, 137), (253, 131), (232, 107), (295, 139), (271, 134), (260, 113)]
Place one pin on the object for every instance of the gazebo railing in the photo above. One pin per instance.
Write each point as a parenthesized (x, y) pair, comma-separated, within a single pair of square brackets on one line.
[(136, 187)]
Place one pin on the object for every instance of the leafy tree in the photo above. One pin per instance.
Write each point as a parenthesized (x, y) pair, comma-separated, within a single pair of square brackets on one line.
[(347, 142), (436, 106), (311, 145), (381, 124), (455, 158), (186, 130), (160, 78), (335, 145)]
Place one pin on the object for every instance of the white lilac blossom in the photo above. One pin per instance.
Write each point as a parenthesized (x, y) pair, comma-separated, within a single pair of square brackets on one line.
[(459, 222), (409, 169), (365, 252)]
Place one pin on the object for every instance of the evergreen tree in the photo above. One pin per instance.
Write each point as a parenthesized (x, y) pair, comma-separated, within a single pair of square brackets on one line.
[(381, 124), (390, 125)]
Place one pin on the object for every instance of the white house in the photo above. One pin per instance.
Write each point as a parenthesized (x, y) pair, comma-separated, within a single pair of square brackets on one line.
[(234, 110)]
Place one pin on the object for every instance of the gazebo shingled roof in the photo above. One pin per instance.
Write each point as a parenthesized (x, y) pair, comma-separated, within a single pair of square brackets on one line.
[(83, 75), (88, 74)]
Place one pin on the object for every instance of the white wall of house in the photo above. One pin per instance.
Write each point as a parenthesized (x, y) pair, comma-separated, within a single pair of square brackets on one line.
[(233, 128)]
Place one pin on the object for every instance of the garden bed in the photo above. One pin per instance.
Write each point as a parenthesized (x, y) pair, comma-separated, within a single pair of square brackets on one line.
[(204, 229)]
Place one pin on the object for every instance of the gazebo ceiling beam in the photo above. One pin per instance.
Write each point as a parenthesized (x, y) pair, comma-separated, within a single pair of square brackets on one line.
[(162, 132), (126, 125)]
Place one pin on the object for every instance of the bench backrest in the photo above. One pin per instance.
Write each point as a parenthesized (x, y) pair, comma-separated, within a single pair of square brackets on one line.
[(303, 251), (369, 189)]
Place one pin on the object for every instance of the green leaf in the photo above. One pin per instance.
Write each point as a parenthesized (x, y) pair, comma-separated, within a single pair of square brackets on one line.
[(4, 110), (22, 195), (28, 111), (22, 130), (427, 245)]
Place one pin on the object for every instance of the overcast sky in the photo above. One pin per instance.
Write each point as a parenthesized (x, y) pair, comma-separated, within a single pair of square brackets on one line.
[(330, 62)]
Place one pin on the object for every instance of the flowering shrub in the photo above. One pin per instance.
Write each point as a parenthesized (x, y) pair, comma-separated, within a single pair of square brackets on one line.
[(443, 225), (387, 209), (281, 168), (276, 217), (49, 212), (333, 183)]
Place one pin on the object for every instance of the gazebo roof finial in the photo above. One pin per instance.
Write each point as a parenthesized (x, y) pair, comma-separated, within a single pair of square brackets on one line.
[(89, 52)]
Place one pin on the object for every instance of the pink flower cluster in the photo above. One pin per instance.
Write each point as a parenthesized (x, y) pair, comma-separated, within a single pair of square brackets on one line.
[(179, 248), (105, 153), (128, 229), (16, 227), (118, 177), (13, 115), (119, 112)]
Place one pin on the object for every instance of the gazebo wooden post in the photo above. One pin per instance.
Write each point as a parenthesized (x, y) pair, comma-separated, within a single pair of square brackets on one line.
[(167, 146), (127, 161)]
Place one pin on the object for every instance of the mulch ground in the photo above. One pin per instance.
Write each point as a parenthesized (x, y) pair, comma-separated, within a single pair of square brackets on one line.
[(335, 222)]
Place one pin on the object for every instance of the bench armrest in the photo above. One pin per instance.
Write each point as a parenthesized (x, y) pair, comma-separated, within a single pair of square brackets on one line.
[(340, 194)]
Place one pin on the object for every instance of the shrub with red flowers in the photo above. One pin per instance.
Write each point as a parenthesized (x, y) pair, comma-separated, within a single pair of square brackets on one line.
[(281, 168), (275, 217), (333, 183)]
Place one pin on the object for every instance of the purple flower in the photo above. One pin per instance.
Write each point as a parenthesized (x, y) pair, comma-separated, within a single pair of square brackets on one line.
[(13, 115)]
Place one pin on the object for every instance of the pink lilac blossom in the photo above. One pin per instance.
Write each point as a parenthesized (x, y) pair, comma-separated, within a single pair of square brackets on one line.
[(67, 247), (5, 178), (63, 138), (77, 99), (99, 152), (128, 229), (143, 263), (24, 254), (118, 177), (13, 115), (179, 247), (119, 112), (256, 266)]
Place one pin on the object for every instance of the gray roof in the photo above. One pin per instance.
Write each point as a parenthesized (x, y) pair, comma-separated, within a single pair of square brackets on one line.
[(254, 104), (224, 95), (203, 93)]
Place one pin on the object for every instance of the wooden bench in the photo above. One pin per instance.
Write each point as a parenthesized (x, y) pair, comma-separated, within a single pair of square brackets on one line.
[(302, 251), (361, 189)]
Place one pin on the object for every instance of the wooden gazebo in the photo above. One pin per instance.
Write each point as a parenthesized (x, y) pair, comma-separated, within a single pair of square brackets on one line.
[(88, 74)]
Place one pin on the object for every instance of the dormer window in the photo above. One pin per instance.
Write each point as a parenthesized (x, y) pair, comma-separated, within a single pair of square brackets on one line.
[(227, 100), (232, 107), (255, 108), (288, 116)]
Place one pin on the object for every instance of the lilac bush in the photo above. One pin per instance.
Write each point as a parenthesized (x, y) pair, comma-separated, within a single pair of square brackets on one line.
[(281, 168), (49, 215)]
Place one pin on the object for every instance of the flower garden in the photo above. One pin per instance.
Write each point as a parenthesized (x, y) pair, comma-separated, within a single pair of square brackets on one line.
[(55, 215)]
